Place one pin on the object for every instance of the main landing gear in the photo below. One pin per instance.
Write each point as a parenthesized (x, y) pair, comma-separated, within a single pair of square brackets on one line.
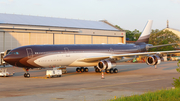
[(82, 69), (112, 70), (26, 75), (97, 70)]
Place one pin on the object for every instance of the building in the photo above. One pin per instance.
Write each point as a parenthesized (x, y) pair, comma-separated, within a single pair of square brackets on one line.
[(175, 31), (20, 30)]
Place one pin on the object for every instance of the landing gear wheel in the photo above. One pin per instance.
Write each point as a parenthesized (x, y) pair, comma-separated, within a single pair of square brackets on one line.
[(97, 70), (115, 70), (107, 70), (86, 69), (28, 75), (82, 69), (111, 71), (78, 70), (25, 75)]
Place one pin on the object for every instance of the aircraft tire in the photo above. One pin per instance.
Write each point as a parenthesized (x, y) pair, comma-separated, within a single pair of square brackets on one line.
[(97, 70), (107, 70), (111, 71), (86, 69), (115, 70), (28, 75), (78, 70), (82, 69), (25, 75)]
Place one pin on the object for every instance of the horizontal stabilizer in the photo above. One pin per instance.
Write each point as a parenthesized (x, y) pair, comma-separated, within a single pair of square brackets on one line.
[(148, 47)]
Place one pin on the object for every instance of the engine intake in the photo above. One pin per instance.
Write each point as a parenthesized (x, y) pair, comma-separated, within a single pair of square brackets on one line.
[(153, 60), (106, 64)]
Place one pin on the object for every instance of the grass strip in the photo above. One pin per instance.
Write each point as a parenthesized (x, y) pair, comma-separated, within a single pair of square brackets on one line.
[(159, 95)]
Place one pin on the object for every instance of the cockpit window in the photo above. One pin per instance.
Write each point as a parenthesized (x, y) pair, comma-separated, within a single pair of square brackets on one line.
[(16, 53)]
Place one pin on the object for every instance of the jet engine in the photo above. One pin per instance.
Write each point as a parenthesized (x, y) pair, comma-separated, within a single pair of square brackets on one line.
[(106, 64), (153, 60)]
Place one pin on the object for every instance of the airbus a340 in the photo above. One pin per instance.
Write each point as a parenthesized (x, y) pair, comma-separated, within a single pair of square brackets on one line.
[(101, 56)]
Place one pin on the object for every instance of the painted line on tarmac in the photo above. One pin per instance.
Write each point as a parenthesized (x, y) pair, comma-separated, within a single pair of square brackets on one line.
[(122, 84), (39, 77)]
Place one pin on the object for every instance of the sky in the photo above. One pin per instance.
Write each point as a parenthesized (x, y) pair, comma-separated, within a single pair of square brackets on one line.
[(128, 14)]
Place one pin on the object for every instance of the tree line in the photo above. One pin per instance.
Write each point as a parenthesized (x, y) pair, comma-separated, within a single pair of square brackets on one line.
[(157, 37)]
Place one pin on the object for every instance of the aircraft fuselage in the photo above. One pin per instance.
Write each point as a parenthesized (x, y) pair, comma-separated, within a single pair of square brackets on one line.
[(35, 56)]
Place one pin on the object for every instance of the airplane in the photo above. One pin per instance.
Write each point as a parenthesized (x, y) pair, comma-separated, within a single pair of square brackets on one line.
[(101, 56)]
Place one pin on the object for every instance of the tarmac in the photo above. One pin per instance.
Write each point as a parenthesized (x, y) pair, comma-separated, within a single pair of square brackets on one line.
[(133, 78)]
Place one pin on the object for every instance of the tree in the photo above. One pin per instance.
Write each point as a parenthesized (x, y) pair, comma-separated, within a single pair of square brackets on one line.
[(136, 32), (118, 27), (129, 35), (163, 37), (155, 31), (133, 35)]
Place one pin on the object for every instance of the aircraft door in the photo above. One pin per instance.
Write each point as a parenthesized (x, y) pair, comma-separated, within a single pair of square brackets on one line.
[(67, 52), (29, 52)]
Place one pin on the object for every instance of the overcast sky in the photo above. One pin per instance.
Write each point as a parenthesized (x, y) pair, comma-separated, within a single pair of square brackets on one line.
[(128, 14)]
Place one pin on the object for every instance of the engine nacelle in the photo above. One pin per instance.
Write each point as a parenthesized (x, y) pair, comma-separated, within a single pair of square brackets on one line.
[(153, 60), (106, 64)]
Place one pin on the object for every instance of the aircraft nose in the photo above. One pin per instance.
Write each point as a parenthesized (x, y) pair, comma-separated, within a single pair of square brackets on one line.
[(10, 60), (6, 59)]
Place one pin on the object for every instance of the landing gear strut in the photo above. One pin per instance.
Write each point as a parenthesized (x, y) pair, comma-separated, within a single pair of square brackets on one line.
[(26, 75)]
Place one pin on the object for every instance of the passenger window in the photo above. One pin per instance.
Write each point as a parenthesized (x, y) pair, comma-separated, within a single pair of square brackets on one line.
[(17, 53)]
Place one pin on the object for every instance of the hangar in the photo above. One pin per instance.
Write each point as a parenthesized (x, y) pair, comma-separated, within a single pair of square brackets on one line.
[(19, 30)]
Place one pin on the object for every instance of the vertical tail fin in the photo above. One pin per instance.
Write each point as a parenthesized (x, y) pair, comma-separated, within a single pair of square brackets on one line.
[(144, 37)]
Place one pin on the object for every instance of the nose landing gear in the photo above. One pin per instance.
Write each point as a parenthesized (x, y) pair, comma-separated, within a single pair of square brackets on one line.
[(26, 75)]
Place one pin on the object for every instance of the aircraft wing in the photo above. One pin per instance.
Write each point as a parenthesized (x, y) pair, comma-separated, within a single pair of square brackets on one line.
[(102, 57)]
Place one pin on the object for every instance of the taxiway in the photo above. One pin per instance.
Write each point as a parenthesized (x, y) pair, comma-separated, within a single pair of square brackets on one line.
[(133, 78)]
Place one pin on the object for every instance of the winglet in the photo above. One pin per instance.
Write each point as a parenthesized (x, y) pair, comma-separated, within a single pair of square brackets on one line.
[(144, 37)]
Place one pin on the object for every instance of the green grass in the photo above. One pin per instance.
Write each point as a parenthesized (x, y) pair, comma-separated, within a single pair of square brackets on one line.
[(160, 95)]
